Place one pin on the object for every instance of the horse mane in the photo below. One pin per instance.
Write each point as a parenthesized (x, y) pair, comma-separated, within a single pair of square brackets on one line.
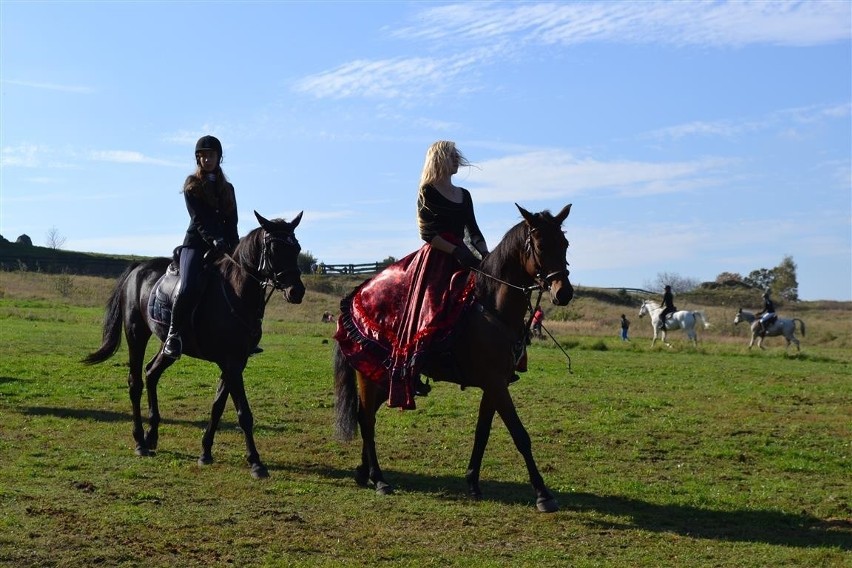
[(501, 256), (245, 256), (653, 304)]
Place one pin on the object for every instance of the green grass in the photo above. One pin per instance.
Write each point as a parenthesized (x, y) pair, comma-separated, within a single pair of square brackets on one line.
[(714, 456)]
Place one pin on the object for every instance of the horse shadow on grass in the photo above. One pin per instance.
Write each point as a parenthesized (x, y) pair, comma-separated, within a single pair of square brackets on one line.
[(755, 526), (112, 416)]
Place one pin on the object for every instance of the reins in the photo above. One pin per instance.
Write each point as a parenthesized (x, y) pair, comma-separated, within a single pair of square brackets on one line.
[(541, 285), (268, 281)]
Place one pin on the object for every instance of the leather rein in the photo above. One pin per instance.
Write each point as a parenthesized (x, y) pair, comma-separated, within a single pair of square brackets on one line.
[(542, 283)]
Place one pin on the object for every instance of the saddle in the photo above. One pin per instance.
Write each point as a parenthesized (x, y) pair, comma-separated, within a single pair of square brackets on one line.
[(163, 296)]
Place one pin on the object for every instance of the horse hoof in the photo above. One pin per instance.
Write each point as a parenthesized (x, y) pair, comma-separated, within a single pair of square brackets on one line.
[(383, 488), (547, 505), (259, 471), (143, 452), (205, 460), (362, 478)]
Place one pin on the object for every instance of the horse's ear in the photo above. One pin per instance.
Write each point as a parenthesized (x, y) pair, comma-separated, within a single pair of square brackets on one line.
[(525, 214), (263, 222), (297, 219), (563, 214)]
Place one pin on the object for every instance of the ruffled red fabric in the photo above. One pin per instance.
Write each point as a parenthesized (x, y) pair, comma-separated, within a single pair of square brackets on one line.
[(389, 323)]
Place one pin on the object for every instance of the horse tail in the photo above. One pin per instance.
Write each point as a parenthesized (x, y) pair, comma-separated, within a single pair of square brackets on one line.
[(113, 320), (345, 397), (801, 323), (700, 316)]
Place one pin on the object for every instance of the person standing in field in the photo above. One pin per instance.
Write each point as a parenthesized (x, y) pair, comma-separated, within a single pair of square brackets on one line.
[(625, 325)]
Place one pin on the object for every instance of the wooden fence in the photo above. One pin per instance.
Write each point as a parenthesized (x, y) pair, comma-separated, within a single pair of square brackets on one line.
[(365, 268)]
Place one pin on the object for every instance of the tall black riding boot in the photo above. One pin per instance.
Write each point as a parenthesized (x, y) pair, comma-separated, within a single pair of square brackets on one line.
[(173, 346)]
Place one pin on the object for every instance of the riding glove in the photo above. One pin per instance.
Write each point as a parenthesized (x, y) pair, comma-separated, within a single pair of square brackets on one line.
[(464, 257)]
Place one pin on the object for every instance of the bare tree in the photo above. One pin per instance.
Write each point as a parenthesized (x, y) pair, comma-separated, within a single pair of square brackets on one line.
[(676, 281), (54, 239)]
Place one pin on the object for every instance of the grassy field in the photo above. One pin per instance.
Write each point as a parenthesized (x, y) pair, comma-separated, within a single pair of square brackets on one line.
[(715, 456)]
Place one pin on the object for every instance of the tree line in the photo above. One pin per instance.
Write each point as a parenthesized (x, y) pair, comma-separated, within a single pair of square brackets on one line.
[(780, 281)]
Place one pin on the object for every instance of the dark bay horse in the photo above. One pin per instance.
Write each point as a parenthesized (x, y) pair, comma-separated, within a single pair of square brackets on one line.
[(531, 256), (225, 326)]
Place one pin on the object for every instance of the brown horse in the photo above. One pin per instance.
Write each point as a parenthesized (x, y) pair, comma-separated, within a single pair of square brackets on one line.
[(225, 326), (530, 257)]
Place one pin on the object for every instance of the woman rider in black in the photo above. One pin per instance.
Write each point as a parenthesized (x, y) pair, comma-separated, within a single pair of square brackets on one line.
[(212, 207)]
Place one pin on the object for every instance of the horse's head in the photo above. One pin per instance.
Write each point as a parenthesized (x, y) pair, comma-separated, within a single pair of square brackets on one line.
[(644, 311), (546, 248), (280, 257)]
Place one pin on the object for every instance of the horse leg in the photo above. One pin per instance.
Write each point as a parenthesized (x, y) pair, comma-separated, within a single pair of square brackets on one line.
[(219, 401), (153, 371), (369, 470), (136, 334), (135, 387), (480, 440), (502, 402), (246, 422)]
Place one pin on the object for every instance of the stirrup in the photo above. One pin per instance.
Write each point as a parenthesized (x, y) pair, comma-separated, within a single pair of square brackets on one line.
[(173, 346)]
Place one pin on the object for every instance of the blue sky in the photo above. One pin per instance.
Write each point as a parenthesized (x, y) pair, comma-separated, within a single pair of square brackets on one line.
[(692, 138)]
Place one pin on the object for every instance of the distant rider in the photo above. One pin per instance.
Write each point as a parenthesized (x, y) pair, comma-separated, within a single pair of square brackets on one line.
[(668, 306), (767, 315)]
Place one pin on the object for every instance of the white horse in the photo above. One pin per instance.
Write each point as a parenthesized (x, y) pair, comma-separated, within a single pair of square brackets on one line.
[(785, 327), (682, 319)]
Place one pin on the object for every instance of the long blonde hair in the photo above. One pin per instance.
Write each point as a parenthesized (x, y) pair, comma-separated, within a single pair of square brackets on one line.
[(439, 162)]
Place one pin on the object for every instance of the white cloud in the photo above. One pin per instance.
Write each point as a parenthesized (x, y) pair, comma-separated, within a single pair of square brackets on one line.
[(550, 174), (785, 119), (22, 155), (128, 157), (51, 86), (399, 78), (715, 24)]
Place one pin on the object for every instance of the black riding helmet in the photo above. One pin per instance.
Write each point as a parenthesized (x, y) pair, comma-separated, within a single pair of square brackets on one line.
[(208, 143)]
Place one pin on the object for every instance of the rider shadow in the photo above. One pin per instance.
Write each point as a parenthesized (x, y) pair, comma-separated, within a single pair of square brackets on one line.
[(757, 526)]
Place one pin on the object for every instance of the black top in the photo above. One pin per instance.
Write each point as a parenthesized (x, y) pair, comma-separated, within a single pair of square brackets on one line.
[(208, 218), (668, 301), (768, 306), (436, 214)]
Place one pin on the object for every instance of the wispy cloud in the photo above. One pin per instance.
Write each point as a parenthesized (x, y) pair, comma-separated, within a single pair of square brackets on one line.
[(556, 174), (398, 78), (22, 155), (128, 157), (79, 89), (713, 24), (729, 128)]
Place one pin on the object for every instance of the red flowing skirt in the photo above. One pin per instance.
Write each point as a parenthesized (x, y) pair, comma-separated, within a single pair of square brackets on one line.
[(390, 323)]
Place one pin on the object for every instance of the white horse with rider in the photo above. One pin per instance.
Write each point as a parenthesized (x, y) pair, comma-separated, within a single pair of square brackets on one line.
[(785, 327), (682, 319)]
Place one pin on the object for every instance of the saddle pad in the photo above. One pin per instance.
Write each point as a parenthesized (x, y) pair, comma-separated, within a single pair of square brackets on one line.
[(162, 298)]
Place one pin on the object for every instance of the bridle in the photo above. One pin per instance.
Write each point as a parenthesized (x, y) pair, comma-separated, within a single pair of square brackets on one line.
[(268, 276), (542, 283), (543, 279), (271, 278)]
